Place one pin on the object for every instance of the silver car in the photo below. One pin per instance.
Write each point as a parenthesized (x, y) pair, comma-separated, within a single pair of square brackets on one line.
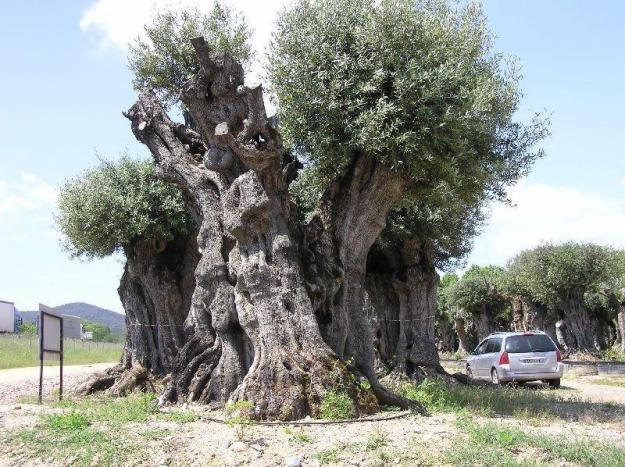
[(516, 356)]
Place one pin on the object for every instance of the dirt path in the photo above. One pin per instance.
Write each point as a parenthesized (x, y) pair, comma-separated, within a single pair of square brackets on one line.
[(590, 389), (17, 383)]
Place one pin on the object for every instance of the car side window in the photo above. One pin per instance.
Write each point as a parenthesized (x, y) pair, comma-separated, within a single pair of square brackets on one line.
[(481, 349), (494, 345)]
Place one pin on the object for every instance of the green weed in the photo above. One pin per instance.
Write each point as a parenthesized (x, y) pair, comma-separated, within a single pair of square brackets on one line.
[(584, 452), (238, 417), (439, 396), (336, 405)]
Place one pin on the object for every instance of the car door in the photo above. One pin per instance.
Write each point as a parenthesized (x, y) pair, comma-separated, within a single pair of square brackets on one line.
[(478, 355), (491, 355)]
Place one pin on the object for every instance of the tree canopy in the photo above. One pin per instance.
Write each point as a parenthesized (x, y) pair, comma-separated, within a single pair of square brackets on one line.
[(164, 60), (553, 274), (480, 287), (444, 303), (415, 85), (108, 207)]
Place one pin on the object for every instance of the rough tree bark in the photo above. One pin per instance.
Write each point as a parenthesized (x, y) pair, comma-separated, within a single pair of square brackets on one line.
[(617, 302), (406, 324), (155, 290), (465, 343), (446, 339), (252, 331), (518, 321), (484, 322), (579, 325)]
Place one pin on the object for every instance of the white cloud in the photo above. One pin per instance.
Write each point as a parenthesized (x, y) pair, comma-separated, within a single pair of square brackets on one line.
[(26, 192), (545, 213), (119, 21)]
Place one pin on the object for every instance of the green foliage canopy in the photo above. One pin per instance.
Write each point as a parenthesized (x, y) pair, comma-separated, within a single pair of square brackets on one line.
[(480, 287), (165, 59), (445, 306), (107, 208), (414, 84), (554, 274)]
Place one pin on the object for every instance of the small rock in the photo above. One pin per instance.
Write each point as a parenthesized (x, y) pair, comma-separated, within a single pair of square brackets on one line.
[(17, 407), (238, 446), (396, 461), (293, 461), (95, 461), (307, 418), (227, 444)]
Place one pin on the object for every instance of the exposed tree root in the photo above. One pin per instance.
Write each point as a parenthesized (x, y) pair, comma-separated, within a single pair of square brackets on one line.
[(117, 381)]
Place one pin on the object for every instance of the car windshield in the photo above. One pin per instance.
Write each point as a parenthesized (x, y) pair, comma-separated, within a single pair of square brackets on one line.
[(529, 343)]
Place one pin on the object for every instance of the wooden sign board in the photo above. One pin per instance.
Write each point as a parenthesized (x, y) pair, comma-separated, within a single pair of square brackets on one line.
[(51, 324), (50, 343)]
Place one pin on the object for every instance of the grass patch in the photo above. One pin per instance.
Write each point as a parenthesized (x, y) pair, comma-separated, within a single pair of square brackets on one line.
[(377, 439), (138, 407), (91, 428), (23, 351), (297, 436), (336, 405), (490, 442), (152, 434), (617, 381), (72, 421), (439, 396), (328, 456), (614, 354), (180, 416)]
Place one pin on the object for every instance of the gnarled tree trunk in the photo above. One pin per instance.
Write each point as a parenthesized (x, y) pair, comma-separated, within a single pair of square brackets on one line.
[(446, 339), (155, 290), (484, 322), (466, 343), (579, 325), (252, 331), (405, 324)]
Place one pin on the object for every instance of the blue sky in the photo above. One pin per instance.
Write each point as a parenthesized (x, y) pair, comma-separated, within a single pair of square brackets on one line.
[(64, 84)]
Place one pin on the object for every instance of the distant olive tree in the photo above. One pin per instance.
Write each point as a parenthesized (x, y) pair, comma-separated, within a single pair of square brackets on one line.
[(480, 295), (561, 277)]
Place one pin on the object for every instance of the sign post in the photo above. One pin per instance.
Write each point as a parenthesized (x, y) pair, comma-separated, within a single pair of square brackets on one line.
[(50, 343)]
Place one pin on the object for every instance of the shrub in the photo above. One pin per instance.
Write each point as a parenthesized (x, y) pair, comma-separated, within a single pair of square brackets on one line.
[(336, 405)]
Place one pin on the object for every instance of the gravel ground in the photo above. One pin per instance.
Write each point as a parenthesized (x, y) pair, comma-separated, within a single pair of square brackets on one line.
[(19, 383), (403, 441)]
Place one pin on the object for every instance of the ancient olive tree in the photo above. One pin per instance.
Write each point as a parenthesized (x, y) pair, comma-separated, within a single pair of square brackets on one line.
[(122, 207), (560, 277), (432, 233), (480, 300), (388, 103)]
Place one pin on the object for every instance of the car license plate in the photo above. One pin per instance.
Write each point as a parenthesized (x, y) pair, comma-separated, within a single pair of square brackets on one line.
[(533, 361)]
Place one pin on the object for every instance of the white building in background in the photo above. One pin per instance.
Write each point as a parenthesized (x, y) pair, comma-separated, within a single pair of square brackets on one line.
[(8, 321), (72, 327)]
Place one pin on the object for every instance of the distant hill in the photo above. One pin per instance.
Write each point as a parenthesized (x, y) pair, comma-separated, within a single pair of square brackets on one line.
[(95, 314)]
